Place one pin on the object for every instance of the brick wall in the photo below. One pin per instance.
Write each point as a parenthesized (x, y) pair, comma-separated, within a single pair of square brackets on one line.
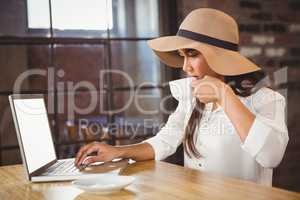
[(269, 35)]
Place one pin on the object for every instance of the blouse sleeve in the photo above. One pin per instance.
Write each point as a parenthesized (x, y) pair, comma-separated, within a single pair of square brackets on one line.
[(166, 141), (268, 136)]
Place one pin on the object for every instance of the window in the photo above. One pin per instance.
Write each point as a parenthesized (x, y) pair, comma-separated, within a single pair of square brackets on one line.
[(70, 14), (85, 39)]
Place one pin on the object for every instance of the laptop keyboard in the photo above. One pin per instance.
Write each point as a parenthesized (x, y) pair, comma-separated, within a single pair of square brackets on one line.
[(62, 167)]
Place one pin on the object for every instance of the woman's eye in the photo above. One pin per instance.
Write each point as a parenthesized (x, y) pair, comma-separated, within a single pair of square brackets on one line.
[(180, 53), (189, 53), (192, 53)]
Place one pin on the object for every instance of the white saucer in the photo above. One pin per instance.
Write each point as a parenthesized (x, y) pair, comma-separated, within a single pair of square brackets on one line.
[(103, 183)]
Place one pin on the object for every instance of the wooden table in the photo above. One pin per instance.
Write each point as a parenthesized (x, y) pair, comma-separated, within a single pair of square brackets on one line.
[(154, 180)]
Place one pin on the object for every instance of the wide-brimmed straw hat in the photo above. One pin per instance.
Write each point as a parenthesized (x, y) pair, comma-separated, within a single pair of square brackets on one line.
[(214, 34)]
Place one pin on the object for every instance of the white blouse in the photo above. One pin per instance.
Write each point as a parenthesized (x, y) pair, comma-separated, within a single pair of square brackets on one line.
[(221, 149)]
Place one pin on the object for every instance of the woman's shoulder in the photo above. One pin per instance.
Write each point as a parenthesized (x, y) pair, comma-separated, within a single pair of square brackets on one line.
[(266, 95)]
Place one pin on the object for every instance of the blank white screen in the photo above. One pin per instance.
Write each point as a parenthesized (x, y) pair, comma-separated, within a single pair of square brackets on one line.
[(35, 132)]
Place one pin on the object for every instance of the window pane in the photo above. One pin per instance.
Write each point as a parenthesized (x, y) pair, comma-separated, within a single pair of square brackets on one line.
[(76, 110), (135, 18), (78, 63), (38, 14), (13, 18), (31, 61), (124, 18), (138, 107), (84, 19), (84, 15), (138, 115), (134, 134), (136, 62)]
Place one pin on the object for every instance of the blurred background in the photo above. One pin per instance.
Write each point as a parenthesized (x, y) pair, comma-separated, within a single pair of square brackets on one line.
[(65, 42)]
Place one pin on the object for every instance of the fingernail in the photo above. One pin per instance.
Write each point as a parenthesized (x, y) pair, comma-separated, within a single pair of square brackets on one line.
[(83, 162), (194, 78)]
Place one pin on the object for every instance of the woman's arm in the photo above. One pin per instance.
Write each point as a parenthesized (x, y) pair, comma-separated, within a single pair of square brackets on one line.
[(163, 144), (240, 116), (263, 133), (210, 89), (137, 152), (105, 153)]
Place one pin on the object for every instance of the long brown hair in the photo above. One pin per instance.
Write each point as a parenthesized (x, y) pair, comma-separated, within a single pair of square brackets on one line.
[(242, 85)]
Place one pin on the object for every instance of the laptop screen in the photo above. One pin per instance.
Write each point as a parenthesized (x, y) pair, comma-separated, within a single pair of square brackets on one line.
[(35, 133)]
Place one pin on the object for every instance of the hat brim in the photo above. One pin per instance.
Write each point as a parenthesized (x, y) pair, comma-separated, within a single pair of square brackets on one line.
[(222, 61)]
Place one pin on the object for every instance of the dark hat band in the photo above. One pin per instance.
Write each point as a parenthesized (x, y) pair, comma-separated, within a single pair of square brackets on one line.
[(208, 40)]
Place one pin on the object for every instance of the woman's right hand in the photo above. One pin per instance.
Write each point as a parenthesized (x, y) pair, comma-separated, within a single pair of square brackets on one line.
[(104, 153)]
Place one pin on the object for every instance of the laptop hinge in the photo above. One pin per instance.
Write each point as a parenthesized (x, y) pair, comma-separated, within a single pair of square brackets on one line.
[(42, 169)]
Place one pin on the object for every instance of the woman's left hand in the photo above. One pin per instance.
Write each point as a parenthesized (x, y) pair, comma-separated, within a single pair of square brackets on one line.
[(209, 89)]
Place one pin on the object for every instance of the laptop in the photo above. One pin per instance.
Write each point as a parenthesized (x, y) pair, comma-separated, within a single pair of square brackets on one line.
[(36, 143)]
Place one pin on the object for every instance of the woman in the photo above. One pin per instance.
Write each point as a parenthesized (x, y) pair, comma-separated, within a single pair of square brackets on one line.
[(227, 124)]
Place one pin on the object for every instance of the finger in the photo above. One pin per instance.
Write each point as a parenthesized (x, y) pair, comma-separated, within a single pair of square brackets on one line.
[(206, 88), (201, 82), (202, 94), (207, 98), (92, 159), (81, 151), (203, 89), (195, 82), (90, 150)]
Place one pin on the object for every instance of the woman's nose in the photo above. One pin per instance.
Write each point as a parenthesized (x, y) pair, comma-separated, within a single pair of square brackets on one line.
[(186, 66)]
